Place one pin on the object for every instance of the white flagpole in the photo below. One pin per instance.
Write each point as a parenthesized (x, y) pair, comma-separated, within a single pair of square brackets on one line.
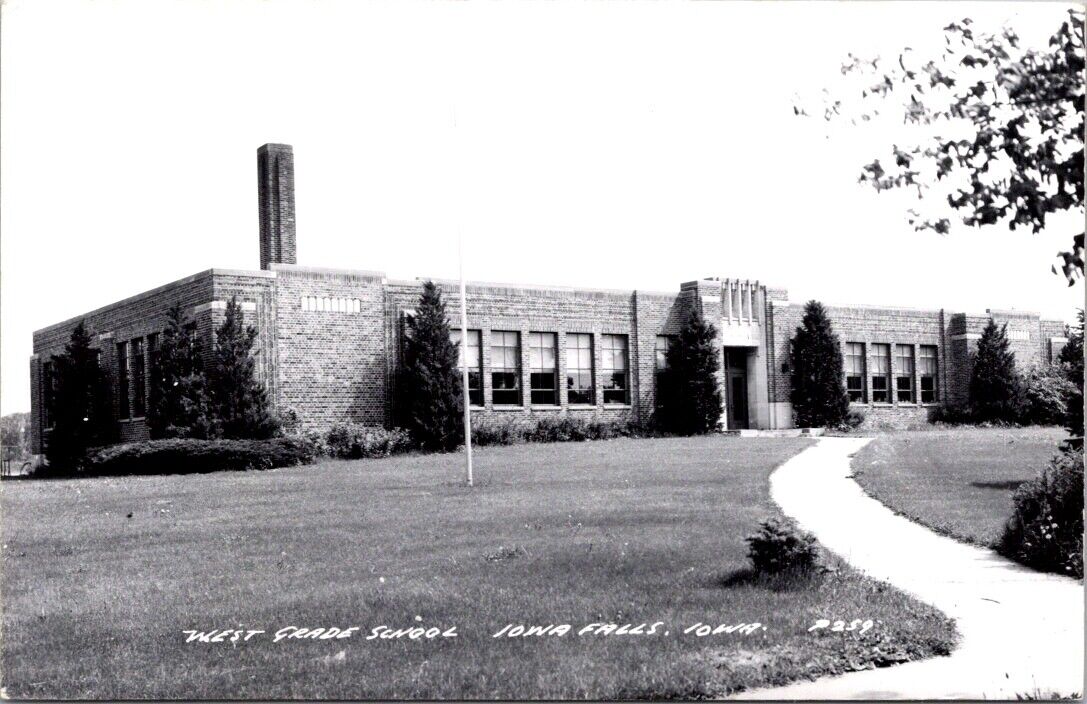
[(464, 362)]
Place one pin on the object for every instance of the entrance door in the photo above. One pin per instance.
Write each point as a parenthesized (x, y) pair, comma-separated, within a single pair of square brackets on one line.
[(736, 388)]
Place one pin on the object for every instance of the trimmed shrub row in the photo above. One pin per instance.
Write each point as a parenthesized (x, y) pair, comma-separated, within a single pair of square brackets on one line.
[(188, 456), (353, 441), (344, 441), (510, 430)]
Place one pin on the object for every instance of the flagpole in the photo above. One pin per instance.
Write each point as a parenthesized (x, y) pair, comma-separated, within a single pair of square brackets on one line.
[(464, 362)]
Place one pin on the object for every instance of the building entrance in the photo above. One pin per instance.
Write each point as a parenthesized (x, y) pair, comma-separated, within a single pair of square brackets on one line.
[(736, 388)]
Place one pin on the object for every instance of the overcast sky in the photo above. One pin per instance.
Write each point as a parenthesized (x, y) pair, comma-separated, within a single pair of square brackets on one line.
[(597, 144)]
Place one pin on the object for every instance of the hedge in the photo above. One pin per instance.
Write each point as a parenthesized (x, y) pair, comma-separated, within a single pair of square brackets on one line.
[(188, 456)]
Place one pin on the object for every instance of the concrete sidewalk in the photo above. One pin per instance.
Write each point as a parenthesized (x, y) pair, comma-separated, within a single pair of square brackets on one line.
[(1022, 631)]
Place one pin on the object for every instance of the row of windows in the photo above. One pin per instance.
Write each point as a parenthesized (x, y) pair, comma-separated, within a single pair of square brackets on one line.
[(331, 304), (908, 376), (132, 373), (544, 368)]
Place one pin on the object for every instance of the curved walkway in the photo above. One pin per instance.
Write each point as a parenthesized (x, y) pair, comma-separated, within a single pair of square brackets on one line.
[(1021, 630)]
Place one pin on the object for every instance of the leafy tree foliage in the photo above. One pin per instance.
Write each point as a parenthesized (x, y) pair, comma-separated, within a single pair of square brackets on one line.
[(690, 394), (14, 439), (1071, 358), (818, 380), (994, 129), (179, 405), (82, 410), (995, 391), (1046, 391), (239, 402), (431, 396)]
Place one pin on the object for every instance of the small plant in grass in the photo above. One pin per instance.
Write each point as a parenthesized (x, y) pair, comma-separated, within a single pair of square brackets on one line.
[(781, 546), (1046, 528)]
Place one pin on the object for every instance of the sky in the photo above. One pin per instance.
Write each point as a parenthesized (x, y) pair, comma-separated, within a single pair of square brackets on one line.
[(598, 144)]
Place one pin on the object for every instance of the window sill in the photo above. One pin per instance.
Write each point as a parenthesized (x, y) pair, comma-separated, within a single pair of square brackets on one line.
[(582, 407), (545, 407), (507, 409), (617, 406)]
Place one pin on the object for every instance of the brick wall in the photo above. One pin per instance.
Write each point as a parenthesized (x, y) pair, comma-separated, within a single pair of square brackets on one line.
[(640, 316), (868, 325), (139, 316), (331, 361)]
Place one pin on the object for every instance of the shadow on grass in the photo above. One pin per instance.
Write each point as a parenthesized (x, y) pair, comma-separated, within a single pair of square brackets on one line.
[(787, 581), (1011, 485)]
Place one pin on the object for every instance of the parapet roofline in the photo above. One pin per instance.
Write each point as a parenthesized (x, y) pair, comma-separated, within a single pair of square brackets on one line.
[(253, 273), (530, 287)]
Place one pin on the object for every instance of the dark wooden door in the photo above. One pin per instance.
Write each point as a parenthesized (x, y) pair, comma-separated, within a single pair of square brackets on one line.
[(736, 388)]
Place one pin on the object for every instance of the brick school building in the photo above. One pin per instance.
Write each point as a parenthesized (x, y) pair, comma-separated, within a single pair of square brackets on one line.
[(329, 340)]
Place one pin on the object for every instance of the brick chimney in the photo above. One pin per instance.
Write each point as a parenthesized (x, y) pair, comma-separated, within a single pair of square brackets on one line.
[(275, 191)]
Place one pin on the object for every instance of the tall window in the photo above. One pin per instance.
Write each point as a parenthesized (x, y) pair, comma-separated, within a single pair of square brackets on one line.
[(881, 373), (123, 408), (616, 368), (139, 379), (505, 368), (152, 354), (928, 373), (475, 364), (904, 374), (47, 394), (664, 343), (579, 368), (854, 371), (543, 363)]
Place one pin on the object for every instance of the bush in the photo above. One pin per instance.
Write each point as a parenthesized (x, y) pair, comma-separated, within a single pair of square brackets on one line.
[(1045, 396), (995, 385), (1046, 528), (189, 456), (351, 441), (688, 392), (780, 546), (952, 415), (512, 429), (816, 372), (853, 420)]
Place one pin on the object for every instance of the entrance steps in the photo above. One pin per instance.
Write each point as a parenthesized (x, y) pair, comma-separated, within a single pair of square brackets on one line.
[(782, 433)]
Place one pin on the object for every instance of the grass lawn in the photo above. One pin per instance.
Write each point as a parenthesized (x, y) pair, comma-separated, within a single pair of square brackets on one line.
[(101, 577), (959, 481)]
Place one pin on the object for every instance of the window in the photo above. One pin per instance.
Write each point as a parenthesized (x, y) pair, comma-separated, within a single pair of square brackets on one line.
[(613, 350), (152, 354), (579, 368), (928, 373), (139, 379), (881, 373), (544, 368), (664, 343), (904, 373), (854, 371), (122, 380), (475, 364), (47, 394), (505, 368)]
